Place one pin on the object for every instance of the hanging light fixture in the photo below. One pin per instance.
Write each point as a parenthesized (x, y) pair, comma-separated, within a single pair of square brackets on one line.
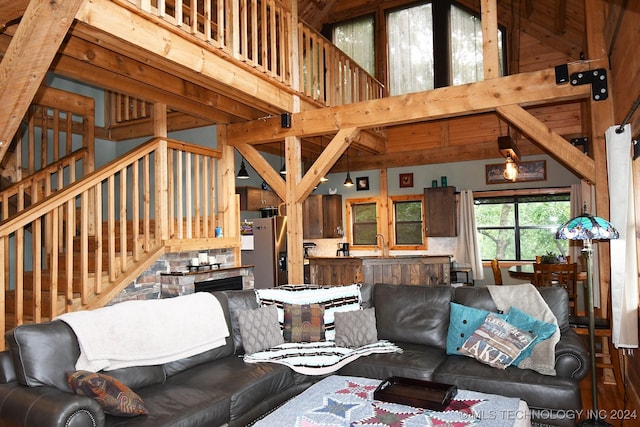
[(242, 173), (283, 167), (348, 182), (323, 178), (510, 169)]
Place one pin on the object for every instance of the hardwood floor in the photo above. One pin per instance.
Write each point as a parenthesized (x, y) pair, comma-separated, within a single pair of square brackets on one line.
[(618, 409)]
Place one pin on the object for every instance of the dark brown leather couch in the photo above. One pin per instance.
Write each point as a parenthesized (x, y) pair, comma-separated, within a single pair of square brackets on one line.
[(218, 388)]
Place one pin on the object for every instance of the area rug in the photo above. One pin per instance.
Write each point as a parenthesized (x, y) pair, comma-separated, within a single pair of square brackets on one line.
[(348, 401)]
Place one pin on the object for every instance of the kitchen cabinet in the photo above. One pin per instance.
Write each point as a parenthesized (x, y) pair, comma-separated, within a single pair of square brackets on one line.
[(322, 216), (254, 199), (440, 207)]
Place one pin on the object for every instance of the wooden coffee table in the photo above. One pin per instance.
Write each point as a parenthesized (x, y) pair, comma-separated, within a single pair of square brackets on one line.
[(348, 401)]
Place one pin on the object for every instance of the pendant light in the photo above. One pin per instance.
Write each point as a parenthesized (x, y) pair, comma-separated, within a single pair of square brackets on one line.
[(242, 173), (283, 168), (323, 178), (348, 182), (510, 169)]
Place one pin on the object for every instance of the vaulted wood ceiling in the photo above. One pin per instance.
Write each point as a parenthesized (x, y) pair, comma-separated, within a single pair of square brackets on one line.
[(542, 33)]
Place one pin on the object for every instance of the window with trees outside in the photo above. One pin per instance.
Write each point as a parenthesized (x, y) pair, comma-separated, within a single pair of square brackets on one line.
[(407, 221), (364, 223), (519, 227)]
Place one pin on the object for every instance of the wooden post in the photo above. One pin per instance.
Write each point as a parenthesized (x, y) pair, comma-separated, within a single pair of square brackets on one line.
[(228, 202), (162, 182), (601, 118), (491, 59), (295, 252)]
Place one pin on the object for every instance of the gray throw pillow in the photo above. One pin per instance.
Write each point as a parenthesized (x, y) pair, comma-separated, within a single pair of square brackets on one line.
[(356, 328), (260, 329)]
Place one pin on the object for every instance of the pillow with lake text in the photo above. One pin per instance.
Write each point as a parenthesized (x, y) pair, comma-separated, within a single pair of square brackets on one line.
[(496, 342)]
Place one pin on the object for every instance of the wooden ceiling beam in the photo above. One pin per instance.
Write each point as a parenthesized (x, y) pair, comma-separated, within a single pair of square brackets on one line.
[(552, 143), (263, 168), (27, 59), (526, 89), (325, 161)]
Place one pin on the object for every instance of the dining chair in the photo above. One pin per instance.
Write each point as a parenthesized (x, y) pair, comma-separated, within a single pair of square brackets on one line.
[(563, 275), (497, 273)]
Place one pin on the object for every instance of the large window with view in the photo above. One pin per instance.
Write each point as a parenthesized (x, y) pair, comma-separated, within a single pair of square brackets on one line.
[(410, 49), (519, 227), (467, 64), (428, 45), (356, 38)]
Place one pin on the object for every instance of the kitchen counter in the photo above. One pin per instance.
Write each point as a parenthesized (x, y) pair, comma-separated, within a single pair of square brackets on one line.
[(400, 269)]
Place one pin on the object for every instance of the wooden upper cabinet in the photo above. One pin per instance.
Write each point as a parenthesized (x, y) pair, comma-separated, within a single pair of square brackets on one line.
[(440, 207), (254, 199), (322, 216)]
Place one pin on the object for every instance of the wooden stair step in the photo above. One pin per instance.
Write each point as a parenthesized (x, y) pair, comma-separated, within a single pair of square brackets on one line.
[(27, 303)]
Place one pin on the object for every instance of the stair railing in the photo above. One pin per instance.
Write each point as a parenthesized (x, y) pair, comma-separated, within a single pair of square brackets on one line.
[(121, 200)]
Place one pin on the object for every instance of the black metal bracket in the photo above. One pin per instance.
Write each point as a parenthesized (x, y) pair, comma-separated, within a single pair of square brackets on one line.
[(582, 142), (597, 79), (285, 120)]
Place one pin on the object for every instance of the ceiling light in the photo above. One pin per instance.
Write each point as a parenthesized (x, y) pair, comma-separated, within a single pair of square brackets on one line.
[(242, 173), (510, 169)]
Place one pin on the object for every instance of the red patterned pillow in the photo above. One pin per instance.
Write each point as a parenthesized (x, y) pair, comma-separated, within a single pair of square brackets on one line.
[(114, 397), (303, 322)]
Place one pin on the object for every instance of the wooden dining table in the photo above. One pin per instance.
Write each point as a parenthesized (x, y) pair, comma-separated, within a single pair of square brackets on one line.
[(525, 272)]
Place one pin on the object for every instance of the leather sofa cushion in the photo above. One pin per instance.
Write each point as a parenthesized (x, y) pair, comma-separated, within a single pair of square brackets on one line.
[(539, 391), (7, 373), (415, 361), (413, 314), (42, 354), (138, 376)]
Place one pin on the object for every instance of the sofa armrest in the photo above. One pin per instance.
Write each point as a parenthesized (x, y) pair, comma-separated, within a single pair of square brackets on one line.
[(47, 407), (572, 357)]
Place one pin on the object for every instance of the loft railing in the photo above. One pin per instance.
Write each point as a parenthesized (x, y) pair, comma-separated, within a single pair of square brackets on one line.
[(259, 34), (121, 199)]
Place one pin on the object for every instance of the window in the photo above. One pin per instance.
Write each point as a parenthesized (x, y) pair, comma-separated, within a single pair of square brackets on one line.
[(519, 227), (430, 44), (364, 225), (407, 221), (410, 49), (356, 39), (466, 47)]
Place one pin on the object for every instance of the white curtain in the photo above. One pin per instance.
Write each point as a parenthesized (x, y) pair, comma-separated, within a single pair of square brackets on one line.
[(624, 268), (468, 247)]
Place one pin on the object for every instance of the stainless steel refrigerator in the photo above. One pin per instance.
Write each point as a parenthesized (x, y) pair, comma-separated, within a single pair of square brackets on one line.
[(269, 254)]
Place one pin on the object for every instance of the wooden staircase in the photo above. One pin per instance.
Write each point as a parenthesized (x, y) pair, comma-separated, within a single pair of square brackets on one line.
[(79, 246), (70, 299)]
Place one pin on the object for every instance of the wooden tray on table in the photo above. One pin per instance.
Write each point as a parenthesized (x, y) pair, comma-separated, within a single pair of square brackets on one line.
[(416, 393)]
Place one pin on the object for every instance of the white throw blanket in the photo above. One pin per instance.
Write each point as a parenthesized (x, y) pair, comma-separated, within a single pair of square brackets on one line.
[(142, 333), (527, 298)]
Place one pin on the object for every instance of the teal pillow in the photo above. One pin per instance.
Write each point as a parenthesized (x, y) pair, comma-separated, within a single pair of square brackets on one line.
[(463, 321), (522, 320)]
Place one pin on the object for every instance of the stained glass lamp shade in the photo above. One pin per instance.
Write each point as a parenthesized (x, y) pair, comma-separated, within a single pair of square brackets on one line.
[(587, 227)]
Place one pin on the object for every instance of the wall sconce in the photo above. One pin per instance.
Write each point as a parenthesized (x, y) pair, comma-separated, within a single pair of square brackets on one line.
[(510, 169), (242, 173)]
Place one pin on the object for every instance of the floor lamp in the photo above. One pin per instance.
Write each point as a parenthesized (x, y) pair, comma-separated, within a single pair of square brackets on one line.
[(587, 228)]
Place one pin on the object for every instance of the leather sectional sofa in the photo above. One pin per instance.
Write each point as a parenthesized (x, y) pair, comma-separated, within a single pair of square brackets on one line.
[(218, 388)]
